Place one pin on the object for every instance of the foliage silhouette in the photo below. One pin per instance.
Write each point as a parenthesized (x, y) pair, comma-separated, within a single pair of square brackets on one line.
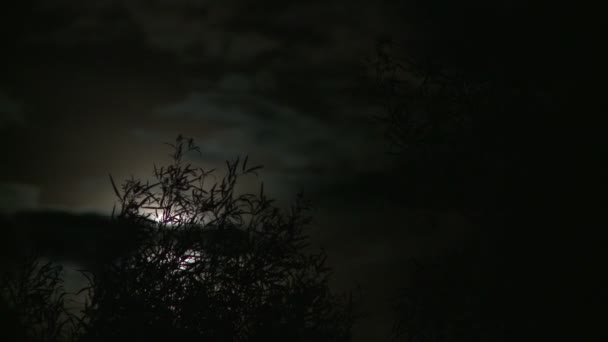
[(464, 146), (456, 297), (453, 133), (212, 264), (32, 302)]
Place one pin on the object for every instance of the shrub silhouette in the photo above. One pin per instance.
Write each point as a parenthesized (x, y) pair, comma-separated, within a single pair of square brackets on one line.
[(457, 297), (212, 264), (463, 146), (32, 302), (463, 141)]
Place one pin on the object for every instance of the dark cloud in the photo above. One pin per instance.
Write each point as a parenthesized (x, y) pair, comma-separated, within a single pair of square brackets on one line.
[(76, 238), (10, 111), (76, 242), (16, 197), (112, 69)]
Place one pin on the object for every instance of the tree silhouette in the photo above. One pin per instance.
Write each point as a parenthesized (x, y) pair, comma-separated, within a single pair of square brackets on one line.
[(453, 133), (463, 146), (457, 297), (212, 264)]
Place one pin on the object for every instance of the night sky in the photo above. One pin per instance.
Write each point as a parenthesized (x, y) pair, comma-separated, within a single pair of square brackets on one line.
[(90, 88)]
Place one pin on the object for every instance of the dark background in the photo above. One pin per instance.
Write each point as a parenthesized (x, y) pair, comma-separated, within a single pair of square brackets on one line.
[(95, 87)]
